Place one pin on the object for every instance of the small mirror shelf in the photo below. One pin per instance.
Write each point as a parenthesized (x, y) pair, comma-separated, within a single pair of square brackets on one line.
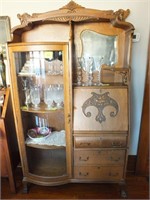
[(97, 50), (102, 48)]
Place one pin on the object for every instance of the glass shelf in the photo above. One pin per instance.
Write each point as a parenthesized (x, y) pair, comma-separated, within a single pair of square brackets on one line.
[(56, 138), (41, 109)]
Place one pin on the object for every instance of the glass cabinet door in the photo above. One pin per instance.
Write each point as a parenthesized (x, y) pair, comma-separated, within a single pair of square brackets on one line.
[(40, 101)]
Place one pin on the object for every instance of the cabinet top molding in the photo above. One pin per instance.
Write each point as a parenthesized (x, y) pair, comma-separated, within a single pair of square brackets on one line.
[(73, 12)]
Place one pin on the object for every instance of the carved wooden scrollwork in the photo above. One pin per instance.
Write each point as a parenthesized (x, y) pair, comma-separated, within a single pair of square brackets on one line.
[(71, 6), (125, 77), (24, 18), (100, 101), (122, 14), (77, 13)]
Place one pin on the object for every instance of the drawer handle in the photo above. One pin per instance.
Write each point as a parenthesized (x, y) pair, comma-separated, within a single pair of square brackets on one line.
[(116, 144), (84, 159), (85, 143), (83, 174), (113, 174), (115, 159)]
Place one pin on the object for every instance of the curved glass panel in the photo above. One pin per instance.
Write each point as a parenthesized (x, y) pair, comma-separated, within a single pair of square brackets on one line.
[(41, 100)]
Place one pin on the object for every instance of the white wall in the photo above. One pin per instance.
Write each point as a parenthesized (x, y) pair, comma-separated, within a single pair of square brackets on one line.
[(139, 17)]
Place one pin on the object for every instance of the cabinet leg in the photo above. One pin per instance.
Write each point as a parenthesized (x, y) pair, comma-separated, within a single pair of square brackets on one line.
[(123, 191), (25, 187)]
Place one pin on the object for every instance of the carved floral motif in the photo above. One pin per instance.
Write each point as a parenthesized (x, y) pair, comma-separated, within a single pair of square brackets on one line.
[(74, 12), (100, 101), (71, 6), (24, 18), (122, 14), (124, 75)]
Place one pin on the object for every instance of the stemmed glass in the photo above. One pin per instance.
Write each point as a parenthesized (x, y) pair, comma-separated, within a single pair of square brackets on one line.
[(82, 65), (48, 97), (87, 64), (35, 96), (59, 95), (90, 65), (27, 97), (79, 70), (50, 68), (100, 63)]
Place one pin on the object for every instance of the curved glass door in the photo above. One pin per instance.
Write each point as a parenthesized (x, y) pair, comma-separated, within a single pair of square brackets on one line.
[(40, 82)]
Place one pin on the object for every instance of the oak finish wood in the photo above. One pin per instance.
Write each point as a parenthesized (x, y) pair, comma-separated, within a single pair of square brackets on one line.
[(81, 94), (43, 32)]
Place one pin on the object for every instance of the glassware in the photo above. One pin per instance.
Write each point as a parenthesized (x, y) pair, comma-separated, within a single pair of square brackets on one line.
[(82, 66), (50, 68), (48, 96), (61, 68), (27, 97), (59, 95), (90, 66), (79, 71), (35, 96), (41, 122), (87, 64), (98, 67)]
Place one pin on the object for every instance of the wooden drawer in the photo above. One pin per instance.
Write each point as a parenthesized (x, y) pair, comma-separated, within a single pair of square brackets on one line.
[(99, 157), (101, 173), (103, 109), (101, 141)]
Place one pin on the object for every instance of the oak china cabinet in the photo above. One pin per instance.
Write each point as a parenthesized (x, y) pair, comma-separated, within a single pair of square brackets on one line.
[(70, 79)]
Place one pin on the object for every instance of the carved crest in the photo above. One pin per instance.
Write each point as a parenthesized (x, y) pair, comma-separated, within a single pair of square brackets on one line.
[(71, 6), (100, 101), (76, 13)]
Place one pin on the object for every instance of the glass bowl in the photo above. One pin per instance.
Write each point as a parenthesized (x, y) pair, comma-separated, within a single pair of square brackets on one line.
[(39, 133)]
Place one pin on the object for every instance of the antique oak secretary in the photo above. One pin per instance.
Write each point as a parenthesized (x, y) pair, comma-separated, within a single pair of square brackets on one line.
[(70, 79)]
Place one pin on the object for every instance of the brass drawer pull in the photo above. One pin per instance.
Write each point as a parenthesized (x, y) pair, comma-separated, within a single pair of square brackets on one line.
[(113, 174), (85, 144), (116, 144), (115, 159), (84, 159), (83, 174)]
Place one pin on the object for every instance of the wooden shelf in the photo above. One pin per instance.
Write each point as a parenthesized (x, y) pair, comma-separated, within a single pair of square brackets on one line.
[(45, 146), (103, 86)]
